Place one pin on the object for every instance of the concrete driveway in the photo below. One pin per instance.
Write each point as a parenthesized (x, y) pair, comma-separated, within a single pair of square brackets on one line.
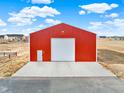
[(63, 69), (62, 85)]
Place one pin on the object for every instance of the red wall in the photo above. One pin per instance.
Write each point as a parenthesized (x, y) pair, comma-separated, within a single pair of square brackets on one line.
[(85, 42)]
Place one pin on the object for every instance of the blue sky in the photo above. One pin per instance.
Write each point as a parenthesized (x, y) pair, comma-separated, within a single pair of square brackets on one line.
[(103, 17)]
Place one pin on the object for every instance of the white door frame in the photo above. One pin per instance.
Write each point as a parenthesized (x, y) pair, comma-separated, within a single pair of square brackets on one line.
[(63, 49), (39, 55)]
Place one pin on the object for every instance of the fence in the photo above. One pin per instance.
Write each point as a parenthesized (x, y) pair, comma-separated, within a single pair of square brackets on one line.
[(7, 54)]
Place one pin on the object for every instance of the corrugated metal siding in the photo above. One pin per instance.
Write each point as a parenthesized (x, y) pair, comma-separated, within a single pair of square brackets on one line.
[(85, 44)]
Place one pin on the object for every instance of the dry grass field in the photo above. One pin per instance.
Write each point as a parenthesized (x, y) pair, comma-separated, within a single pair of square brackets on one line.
[(8, 66), (110, 55)]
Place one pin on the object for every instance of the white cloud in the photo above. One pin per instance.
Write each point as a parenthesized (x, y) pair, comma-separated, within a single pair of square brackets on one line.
[(52, 21), (2, 23), (81, 12), (114, 5), (95, 24), (119, 23), (113, 27), (27, 15), (20, 21), (26, 31), (4, 30), (98, 7), (113, 15), (42, 1), (41, 25)]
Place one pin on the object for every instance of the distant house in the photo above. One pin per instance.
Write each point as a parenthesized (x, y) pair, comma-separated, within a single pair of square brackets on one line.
[(6, 37), (112, 37), (117, 37), (1, 36), (12, 37), (102, 36), (15, 36)]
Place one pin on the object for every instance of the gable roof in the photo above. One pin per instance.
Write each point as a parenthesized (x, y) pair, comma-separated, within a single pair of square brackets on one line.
[(63, 24)]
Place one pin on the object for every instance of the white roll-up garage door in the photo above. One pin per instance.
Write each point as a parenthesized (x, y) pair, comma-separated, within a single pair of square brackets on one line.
[(63, 49)]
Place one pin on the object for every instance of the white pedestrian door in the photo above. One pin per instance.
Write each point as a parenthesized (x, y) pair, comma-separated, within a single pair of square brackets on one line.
[(63, 49), (39, 55)]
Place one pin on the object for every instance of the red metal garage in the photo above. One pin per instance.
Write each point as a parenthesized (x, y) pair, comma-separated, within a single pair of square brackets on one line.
[(63, 42)]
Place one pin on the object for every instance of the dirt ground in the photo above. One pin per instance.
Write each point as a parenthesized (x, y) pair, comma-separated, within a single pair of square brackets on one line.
[(115, 45), (111, 55)]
